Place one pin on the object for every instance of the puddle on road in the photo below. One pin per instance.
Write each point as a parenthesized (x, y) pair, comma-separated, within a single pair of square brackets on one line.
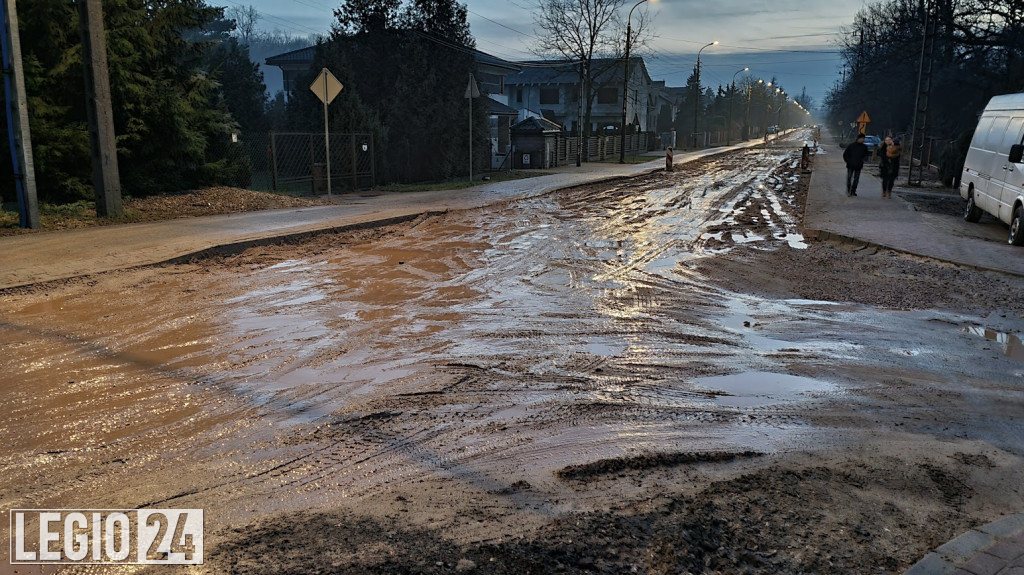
[(1013, 347), (756, 389)]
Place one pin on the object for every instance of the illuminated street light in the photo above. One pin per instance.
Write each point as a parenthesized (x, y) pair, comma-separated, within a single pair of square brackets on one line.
[(732, 96), (625, 82), (696, 100), (746, 114)]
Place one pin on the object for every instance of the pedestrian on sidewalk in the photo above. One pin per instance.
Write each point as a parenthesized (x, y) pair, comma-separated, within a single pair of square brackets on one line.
[(854, 155), (889, 164)]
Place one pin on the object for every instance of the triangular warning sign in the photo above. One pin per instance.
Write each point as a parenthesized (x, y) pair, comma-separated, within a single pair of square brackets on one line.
[(471, 90), (863, 119)]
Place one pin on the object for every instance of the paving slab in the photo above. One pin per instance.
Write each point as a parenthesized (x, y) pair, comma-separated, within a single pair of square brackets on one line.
[(993, 549), (894, 223)]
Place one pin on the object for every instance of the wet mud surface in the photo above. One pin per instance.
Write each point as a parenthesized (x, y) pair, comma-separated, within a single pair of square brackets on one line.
[(652, 375)]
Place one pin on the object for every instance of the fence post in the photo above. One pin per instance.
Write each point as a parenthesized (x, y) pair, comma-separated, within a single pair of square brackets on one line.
[(312, 162), (373, 163), (273, 160), (355, 170)]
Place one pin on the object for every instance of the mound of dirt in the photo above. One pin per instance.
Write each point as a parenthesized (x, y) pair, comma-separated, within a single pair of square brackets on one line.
[(206, 202)]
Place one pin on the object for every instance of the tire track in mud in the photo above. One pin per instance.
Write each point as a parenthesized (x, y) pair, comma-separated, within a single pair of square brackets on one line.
[(576, 306), (552, 367), (542, 250)]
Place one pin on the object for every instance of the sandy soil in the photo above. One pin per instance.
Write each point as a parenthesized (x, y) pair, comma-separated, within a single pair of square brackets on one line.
[(650, 376)]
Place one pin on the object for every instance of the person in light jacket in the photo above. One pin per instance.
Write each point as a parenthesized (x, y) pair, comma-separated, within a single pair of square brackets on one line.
[(854, 155)]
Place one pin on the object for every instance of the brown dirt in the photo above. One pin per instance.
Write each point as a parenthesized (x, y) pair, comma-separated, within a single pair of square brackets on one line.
[(516, 457), (190, 204), (874, 506)]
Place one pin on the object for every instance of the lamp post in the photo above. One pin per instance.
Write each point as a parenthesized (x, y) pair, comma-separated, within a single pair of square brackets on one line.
[(746, 115), (732, 96), (782, 105), (625, 83), (768, 109), (696, 78)]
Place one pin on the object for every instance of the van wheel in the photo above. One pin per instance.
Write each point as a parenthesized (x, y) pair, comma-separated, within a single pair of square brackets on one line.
[(972, 213), (1017, 227)]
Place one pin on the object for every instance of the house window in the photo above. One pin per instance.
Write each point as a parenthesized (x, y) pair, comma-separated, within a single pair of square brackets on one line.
[(549, 95), (519, 94), (608, 95)]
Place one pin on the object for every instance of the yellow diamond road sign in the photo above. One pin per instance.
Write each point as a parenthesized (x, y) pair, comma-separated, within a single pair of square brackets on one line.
[(326, 86), (864, 119)]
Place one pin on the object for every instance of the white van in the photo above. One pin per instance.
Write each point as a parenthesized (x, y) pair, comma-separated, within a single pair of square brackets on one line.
[(993, 176)]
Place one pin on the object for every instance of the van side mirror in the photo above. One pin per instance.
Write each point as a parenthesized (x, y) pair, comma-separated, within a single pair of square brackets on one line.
[(1016, 153)]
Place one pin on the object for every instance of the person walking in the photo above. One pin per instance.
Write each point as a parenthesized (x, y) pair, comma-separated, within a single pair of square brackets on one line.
[(889, 164), (854, 155)]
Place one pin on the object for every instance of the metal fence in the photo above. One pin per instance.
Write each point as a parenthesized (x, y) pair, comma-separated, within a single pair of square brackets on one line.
[(296, 162), (937, 156), (597, 148)]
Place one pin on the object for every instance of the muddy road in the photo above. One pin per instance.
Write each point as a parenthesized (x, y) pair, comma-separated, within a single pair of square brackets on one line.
[(652, 375)]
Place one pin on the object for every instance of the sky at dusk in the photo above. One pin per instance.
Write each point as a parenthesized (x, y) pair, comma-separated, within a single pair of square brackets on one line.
[(793, 41)]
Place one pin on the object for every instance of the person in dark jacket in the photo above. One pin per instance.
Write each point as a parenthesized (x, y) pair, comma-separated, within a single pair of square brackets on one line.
[(889, 164), (855, 154)]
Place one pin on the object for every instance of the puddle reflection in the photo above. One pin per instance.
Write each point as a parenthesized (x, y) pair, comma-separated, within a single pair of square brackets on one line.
[(1013, 348), (756, 389)]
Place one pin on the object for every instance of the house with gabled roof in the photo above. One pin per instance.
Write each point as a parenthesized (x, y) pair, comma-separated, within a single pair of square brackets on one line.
[(552, 90)]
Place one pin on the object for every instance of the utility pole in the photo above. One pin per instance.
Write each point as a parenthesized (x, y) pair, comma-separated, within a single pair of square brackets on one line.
[(698, 95), (17, 117), (105, 176), (625, 84), (924, 88), (579, 120)]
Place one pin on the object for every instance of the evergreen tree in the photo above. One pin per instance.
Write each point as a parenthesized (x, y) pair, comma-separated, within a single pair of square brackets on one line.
[(429, 97), (240, 84), (411, 68), (357, 17), (167, 100)]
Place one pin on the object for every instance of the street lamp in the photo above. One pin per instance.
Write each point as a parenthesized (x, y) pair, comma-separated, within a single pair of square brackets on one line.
[(696, 100), (732, 96), (746, 115), (625, 83), (768, 99), (775, 100)]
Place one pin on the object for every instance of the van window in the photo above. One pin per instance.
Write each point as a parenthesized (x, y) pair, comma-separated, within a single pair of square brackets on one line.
[(981, 133), (995, 141), (1016, 133)]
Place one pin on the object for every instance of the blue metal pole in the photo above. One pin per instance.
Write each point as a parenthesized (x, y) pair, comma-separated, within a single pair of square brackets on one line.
[(8, 70)]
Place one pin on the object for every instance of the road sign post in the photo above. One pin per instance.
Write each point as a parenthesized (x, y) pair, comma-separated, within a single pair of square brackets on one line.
[(472, 91), (327, 87), (862, 122)]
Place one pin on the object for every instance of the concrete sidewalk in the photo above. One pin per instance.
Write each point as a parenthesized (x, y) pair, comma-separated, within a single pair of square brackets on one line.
[(996, 548), (42, 257), (49, 256), (894, 223)]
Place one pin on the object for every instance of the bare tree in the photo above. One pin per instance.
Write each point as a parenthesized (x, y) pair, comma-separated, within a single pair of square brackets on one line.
[(245, 18), (580, 31)]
